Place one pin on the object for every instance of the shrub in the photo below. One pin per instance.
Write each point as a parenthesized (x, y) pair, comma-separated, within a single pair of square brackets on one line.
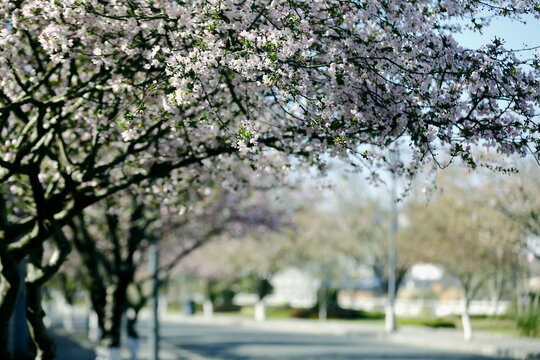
[(528, 323), (227, 308), (338, 313), (434, 323)]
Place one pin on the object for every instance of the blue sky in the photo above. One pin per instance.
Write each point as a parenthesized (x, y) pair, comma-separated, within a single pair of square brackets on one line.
[(516, 34)]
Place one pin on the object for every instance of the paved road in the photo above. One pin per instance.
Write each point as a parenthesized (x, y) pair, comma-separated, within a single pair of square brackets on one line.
[(217, 342), (194, 341)]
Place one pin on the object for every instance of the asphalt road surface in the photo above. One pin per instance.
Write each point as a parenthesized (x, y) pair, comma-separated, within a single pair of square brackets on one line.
[(188, 341), (214, 342)]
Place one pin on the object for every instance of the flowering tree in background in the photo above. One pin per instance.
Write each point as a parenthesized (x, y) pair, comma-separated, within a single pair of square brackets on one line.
[(519, 199), (460, 230), (252, 259), (97, 97), (364, 222), (209, 264), (254, 251)]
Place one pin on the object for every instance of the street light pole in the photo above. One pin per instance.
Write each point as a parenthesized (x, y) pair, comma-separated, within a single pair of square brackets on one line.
[(154, 322), (390, 318)]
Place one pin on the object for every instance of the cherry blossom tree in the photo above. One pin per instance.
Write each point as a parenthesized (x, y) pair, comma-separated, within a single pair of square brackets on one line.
[(97, 97), (114, 249)]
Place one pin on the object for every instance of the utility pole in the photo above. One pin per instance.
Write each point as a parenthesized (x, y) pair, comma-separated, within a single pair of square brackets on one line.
[(153, 338), (390, 318)]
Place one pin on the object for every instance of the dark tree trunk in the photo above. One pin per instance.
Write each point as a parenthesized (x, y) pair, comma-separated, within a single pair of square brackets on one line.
[(132, 326), (135, 302), (89, 254), (116, 297), (45, 347), (10, 283), (109, 275), (380, 274), (5, 352), (37, 275), (400, 275), (97, 298), (114, 309)]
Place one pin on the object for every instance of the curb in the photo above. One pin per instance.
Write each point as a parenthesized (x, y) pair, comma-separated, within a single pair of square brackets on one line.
[(493, 350)]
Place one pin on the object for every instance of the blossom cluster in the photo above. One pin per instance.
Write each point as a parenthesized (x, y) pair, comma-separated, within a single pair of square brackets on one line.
[(103, 92)]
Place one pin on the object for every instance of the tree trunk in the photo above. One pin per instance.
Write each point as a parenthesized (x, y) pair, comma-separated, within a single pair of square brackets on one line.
[(132, 315), (115, 306), (108, 294), (5, 352), (10, 283), (495, 290), (323, 303), (465, 318), (38, 274), (208, 309), (469, 287), (45, 347), (86, 247), (400, 276), (133, 340), (21, 342), (260, 311), (112, 321), (132, 324), (378, 270), (466, 322)]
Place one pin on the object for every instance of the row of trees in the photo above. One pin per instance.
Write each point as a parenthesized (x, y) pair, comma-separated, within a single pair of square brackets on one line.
[(101, 99), (464, 225), (112, 242)]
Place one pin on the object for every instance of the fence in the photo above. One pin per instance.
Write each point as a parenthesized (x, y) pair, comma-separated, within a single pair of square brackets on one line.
[(420, 307)]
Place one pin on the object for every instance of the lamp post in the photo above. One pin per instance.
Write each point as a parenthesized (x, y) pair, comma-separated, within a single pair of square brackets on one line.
[(390, 318), (154, 321)]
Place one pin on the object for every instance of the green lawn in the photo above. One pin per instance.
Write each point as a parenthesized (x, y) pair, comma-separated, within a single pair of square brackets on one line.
[(499, 325), (495, 324)]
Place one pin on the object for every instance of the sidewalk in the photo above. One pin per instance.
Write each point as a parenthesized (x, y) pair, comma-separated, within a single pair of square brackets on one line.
[(72, 345), (75, 345), (445, 339)]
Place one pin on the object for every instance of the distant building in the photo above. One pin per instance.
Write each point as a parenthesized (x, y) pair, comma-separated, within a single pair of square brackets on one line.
[(294, 287)]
